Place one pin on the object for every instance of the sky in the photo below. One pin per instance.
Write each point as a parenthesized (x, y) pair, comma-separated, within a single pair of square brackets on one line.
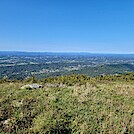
[(95, 26)]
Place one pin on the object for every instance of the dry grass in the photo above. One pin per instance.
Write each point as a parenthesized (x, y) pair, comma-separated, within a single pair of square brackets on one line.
[(106, 108)]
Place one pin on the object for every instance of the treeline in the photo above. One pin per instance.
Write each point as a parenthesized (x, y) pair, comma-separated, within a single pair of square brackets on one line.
[(73, 79), (83, 79)]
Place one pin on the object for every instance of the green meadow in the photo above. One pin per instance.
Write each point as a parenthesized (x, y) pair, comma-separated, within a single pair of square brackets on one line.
[(74, 104)]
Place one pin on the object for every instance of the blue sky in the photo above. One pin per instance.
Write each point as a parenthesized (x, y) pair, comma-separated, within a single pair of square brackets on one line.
[(96, 26)]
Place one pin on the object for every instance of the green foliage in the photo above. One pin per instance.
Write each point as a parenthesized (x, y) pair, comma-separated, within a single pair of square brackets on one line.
[(31, 79), (69, 80)]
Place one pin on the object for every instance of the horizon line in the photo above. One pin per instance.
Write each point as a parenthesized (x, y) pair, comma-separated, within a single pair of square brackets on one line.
[(19, 51)]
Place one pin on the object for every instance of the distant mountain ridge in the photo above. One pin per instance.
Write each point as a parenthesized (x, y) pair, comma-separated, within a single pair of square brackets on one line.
[(24, 53)]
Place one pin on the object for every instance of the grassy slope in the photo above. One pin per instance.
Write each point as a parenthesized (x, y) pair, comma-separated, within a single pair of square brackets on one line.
[(104, 107)]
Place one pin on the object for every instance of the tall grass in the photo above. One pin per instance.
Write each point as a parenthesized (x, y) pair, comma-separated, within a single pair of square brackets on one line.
[(106, 108)]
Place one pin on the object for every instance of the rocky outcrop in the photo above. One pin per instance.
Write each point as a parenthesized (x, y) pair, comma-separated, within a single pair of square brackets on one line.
[(32, 86)]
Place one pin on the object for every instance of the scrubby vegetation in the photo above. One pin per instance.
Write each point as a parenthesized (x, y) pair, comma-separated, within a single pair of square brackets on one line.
[(68, 104)]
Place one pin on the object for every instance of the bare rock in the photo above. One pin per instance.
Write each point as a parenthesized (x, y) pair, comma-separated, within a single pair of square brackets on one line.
[(32, 86)]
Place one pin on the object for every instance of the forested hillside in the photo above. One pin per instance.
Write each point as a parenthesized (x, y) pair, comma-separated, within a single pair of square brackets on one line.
[(21, 65)]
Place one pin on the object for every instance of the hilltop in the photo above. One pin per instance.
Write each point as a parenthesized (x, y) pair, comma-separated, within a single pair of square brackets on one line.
[(68, 104)]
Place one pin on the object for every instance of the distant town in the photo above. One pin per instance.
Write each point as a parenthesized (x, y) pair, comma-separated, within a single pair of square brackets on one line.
[(19, 65)]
